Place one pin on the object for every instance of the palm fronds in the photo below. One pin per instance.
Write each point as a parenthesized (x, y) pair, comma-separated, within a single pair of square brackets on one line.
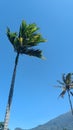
[(66, 85), (27, 38)]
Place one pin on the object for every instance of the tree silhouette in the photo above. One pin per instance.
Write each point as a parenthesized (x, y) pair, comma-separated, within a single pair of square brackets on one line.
[(67, 85)]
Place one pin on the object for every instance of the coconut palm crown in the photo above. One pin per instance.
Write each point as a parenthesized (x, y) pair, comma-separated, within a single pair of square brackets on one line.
[(67, 86), (24, 41)]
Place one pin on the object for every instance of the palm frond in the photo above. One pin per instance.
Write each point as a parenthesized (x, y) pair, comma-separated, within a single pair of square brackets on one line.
[(68, 78), (68, 85), (22, 29), (32, 52), (34, 40), (11, 36), (58, 86), (62, 93), (26, 39), (64, 78), (60, 82), (71, 93), (71, 86), (32, 28)]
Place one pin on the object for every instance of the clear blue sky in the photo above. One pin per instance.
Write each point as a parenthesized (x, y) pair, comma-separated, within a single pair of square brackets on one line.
[(35, 99)]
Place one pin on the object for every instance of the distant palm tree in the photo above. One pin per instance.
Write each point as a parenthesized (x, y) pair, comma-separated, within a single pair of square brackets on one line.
[(2, 126), (67, 85), (23, 43)]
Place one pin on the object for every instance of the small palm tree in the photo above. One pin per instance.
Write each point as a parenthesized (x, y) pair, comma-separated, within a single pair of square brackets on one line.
[(64, 129), (2, 126), (23, 43), (67, 86)]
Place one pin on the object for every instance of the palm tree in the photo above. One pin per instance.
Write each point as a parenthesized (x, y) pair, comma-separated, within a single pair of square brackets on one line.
[(23, 43), (67, 85), (2, 126)]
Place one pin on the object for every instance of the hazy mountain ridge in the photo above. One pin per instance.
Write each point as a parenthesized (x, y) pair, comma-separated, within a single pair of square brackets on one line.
[(60, 122)]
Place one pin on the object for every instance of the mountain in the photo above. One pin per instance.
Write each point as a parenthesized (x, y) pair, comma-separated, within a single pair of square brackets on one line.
[(19, 129), (62, 122)]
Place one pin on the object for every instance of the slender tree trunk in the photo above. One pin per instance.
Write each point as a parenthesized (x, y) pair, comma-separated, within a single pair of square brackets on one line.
[(70, 102), (7, 115)]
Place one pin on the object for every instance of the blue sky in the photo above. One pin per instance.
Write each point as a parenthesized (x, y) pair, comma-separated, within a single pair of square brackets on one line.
[(35, 99)]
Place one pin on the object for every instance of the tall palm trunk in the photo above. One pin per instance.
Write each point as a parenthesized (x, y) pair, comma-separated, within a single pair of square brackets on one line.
[(7, 115), (70, 101)]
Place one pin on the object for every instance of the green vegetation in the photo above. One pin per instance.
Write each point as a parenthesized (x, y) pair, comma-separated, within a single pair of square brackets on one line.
[(67, 86), (2, 126), (23, 43), (64, 129)]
